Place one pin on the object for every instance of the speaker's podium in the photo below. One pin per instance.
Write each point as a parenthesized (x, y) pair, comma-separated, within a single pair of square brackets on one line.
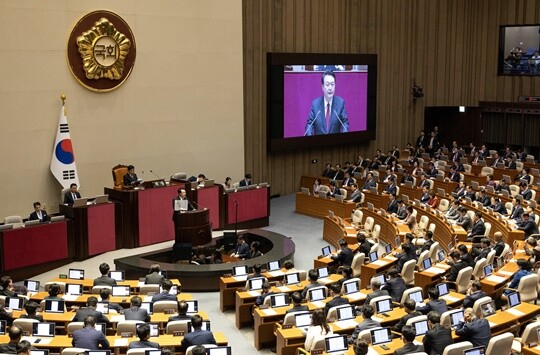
[(191, 228)]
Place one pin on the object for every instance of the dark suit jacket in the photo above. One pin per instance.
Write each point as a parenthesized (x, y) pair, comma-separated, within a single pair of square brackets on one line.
[(529, 227), (104, 281), (163, 296), (316, 122), (114, 306), (68, 198), (154, 279), (375, 294), (436, 339), (85, 312), (478, 228), (395, 288), (35, 316), (244, 182), (136, 313), (477, 332), (391, 189), (403, 321), (392, 207), (179, 317), (143, 344), (198, 337), (242, 250), (409, 348), (336, 301), (356, 196), (516, 213), (344, 257), (438, 306), (129, 179), (297, 309), (402, 259), (89, 338), (473, 297), (454, 270), (499, 207), (44, 216)]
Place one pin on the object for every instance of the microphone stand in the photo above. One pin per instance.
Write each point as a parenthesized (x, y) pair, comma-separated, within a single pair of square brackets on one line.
[(236, 218)]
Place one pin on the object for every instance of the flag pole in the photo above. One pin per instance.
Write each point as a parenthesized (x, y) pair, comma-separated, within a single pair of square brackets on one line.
[(63, 98)]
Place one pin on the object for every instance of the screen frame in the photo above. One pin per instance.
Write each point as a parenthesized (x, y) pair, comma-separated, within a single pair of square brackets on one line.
[(501, 57), (275, 100)]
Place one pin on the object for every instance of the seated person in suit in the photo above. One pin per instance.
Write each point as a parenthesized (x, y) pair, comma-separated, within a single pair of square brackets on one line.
[(197, 336), (15, 335), (364, 246), (483, 251), (130, 179), (369, 183), (395, 285), (164, 295), (434, 303), (474, 328), (410, 309), (474, 293), (257, 272), (524, 269), (347, 180), (135, 312), (391, 188), (39, 214), (478, 228), (337, 300), (498, 206), (254, 251), (424, 198), (7, 289), (90, 310), (313, 276), (104, 279), (392, 205), (406, 255), (376, 290), (182, 312), (527, 225), (7, 315), (241, 250), (368, 323), (346, 272), (71, 195), (334, 190), (105, 294), (457, 265), (345, 256), (154, 277), (89, 337), (31, 310), (54, 291), (247, 180), (465, 255), (438, 336), (356, 194), (408, 334), (428, 241), (297, 304), (265, 292), (143, 332), (453, 175), (24, 347), (464, 220), (533, 249)]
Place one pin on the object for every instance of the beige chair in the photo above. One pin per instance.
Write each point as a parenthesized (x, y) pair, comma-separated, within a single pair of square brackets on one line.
[(443, 205), (423, 223), (433, 250), (530, 335), (353, 280), (479, 302), (290, 317), (332, 312), (322, 188), (25, 324), (487, 233), (514, 190), (366, 334), (13, 220), (519, 166), (163, 306), (464, 279), (478, 271), (73, 326), (357, 262), (126, 326), (490, 257), (457, 348), (302, 275), (97, 289), (528, 288), (189, 351), (177, 326), (468, 168), (73, 351), (374, 301), (508, 206), (368, 225), (343, 192), (62, 285), (424, 255), (486, 170), (145, 289), (407, 273), (268, 299), (500, 344), (409, 291), (412, 320), (138, 351), (376, 233), (357, 217)]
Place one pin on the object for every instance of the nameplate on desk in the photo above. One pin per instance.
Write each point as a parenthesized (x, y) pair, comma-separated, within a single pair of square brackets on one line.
[(126, 334), (178, 333), (316, 352), (169, 311), (286, 326), (227, 275)]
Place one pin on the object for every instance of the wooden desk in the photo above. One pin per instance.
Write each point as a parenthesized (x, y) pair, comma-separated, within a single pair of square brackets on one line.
[(501, 321), (378, 201), (308, 181), (372, 269), (318, 207), (431, 276), (81, 300), (89, 283)]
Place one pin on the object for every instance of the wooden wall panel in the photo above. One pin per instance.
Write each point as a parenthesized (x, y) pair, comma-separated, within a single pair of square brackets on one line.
[(449, 47)]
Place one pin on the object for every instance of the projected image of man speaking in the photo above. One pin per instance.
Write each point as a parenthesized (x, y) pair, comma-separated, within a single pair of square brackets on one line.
[(327, 114)]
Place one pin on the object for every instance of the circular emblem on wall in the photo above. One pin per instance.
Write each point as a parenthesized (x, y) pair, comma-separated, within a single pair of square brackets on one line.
[(101, 51)]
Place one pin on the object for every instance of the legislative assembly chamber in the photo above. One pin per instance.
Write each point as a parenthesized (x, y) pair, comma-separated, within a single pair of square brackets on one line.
[(270, 176)]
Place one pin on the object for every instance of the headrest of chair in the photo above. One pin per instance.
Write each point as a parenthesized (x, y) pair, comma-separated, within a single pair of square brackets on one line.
[(118, 173)]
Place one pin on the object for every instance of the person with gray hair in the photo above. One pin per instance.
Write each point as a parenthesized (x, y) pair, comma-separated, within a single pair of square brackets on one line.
[(376, 290), (474, 328)]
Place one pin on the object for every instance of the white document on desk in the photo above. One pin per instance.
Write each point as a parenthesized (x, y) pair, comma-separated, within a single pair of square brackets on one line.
[(318, 304), (117, 318), (436, 270), (254, 293), (379, 263), (496, 279), (346, 324), (269, 312), (515, 312), (121, 342), (276, 273), (284, 288), (356, 296)]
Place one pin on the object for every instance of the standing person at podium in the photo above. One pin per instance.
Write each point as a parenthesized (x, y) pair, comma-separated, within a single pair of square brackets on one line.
[(181, 203), (130, 179), (71, 195)]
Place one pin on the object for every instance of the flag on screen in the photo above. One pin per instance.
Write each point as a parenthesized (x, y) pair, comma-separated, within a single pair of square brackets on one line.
[(63, 165)]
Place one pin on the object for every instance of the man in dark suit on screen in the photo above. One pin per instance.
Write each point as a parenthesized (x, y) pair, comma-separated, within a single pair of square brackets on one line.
[(327, 114)]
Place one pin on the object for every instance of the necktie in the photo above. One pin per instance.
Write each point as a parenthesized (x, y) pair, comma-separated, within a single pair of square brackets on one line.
[(327, 116)]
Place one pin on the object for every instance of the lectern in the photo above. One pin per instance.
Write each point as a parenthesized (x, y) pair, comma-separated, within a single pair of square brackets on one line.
[(191, 228)]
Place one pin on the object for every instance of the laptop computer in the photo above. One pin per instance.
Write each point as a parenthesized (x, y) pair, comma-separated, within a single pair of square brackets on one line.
[(14, 303), (335, 344), (373, 256), (351, 287), (101, 199), (383, 306), (256, 283), (426, 263), (488, 309), (80, 202), (421, 327), (117, 275), (34, 222), (479, 350), (31, 285), (381, 278), (302, 320), (279, 300), (58, 218), (488, 270), (149, 306), (441, 255), (120, 291), (317, 294), (456, 317), (443, 289), (220, 350), (345, 312), (292, 278), (323, 272), (103, 307), (417, 296), (39, 352), (76, 274), (102, 327), (326, 250), (513, 299), (274, 265), (193, 306), (53, 306), (380, 336), (240, 270), (43, 329)]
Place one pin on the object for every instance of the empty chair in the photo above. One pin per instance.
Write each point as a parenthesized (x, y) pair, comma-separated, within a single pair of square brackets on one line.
[(433, 250), (500, 344), (127, 326), (145, 289), (488, 229), (179, 176), (13, 220), (302, 275), (467, 168), (478, 271), (357, 217), (177, 326), (443, 205), (190, 352), (357, 262), (457, 348), (508, 206), (530, 334), (423, 223), (479, 302), (376, 232), (490, 257), (73, 326), (463, 279), (74, 351), (528, 288), (368, 225), (514, 190), (486, 170), (162, 306), (407, 273), (25, 324), (408, 292), (97, 289)]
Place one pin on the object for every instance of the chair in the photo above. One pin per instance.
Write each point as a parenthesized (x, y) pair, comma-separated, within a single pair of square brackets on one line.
[(74, 351), (479, 302), (179, 177), (424, 255), (500, 344), (478, 271), (118, 173), (145, 289), (407, 273), (374, 247), (25, 324), (528, 288), (13, 220), (236, 185), (467, 168), (490, 257), (302, 275), (97, 289), (138, 351), (433, 250), (368, 225), (488, 229), (376, 232), (127, 326), (519, 166), (514, 190), (461, 177), (486, 170), (162, 306), (189, 351), (357, 217), (355, 279), (290, 317), (408, 291), (314, 288), (73, 326), (62, 285), (457, 348), (177, 326), (463, 279), (508, 206), (412, 320), (530, 334), (268, 299), (366, 334), (343, 192), (357, 262), (443, 205)]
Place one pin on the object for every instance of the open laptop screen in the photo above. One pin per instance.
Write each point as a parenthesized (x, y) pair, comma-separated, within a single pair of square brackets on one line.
[(120, 291), (326, 250), (74, 289), (384, 306), (193, 306), (14, 303), (256, 283), (274, 265), (421, 327), (316, 294), (117, 275), (455, 318), (31, 285), (148, 306), (480, 350), (292, 278), (513, 299), (351, 287), (336, 343), (53, 306), (426, 263), (381, 336), (103, 307), (345, 312), (416, 296), (76, 274), (302, 320), (43, 329), (220, 350), (240, 270), (323, 272), (373, 256), (488, 309), (279, 300), (443, 289)]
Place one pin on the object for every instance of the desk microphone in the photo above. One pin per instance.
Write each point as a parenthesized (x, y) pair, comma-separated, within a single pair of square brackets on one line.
[(345, 128), (160, 178), (312, 122)]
